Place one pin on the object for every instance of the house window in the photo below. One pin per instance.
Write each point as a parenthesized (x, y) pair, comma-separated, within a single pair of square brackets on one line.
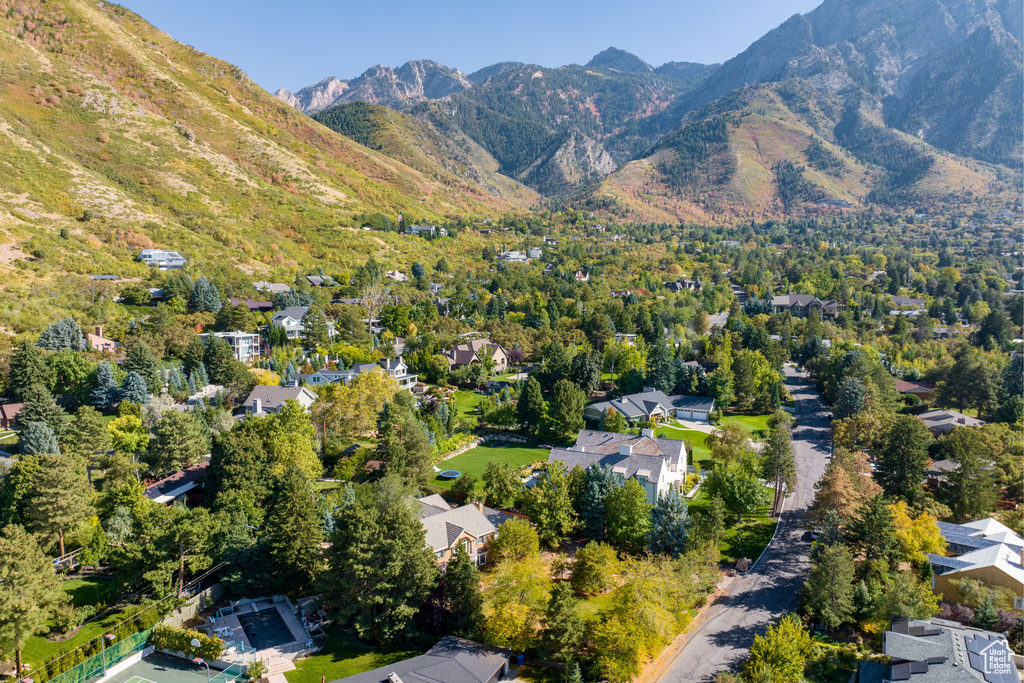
[(1018, 603), (481, 559), (467, 545)]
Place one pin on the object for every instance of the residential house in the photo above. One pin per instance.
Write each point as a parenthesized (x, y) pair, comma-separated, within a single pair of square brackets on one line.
[(97, 342), (942, 421), (162, 259), (245, 345), (470, 352), (269, 399), (923, 390), (105, 277), (801, 305), (908, 301), (514, 257), (272, 287), (627, 337), (535, 252), (452, 660), (428, 230), (985, 550), (582, 276), (658, 464), (321, 281), (396, 275), (940, 651), (291, 317), (684, 286), (938, 471), (178, 485), (252, 304), (552, 241), (473, 526), (396, 369), (9, 414), (651, 404)]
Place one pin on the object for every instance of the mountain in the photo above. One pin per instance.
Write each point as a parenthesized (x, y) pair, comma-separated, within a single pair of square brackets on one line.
[(574, 160), (114, 137), (412, 82), (616, 60)]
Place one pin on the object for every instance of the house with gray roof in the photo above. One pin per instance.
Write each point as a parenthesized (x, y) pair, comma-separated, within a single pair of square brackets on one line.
[(162, 259), (985, 550), (290, 318), (269, 399), (395, 368), (452, 660), (658, 464), (801, 305), (472, 526), (272, 287), (940, 651), (942, 421), (651, 404)]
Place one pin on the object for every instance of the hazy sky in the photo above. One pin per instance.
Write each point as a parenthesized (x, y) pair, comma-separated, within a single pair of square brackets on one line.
[(295, 43)]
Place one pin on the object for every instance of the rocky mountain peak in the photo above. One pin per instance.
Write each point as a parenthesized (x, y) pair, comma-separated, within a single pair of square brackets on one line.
[(614, 59)]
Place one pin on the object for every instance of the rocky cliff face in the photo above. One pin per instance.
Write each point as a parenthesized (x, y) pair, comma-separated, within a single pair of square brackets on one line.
[(574, 161), (397, 88)]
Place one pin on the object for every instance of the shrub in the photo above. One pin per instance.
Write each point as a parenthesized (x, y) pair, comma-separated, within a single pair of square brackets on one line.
[(180, 640), (594, 568)]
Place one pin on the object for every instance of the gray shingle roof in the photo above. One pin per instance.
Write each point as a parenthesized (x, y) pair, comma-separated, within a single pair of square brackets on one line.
[(452, 660), (444, 528), (940, 651), (627, 466), (646, 403)]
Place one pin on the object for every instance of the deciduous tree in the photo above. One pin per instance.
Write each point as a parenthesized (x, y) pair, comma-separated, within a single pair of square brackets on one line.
[(628, 517)]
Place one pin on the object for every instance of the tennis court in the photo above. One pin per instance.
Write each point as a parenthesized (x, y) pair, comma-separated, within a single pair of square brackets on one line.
[(161, 668)]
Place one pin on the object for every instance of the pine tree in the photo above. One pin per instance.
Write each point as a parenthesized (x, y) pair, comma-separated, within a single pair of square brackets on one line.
[(873, 531), (193, 354), (218, 359), (294, 533), (180, 439), (315, 331), (62, 334), (61, 497), (969, 490), (202, 377), (174, 382), (205, 297), (530, 408), (903, 458), (191, 386), (134, 389), (828, 591), (985, 616), (661, 367), (32, 592), (140, 359), (598, 483), (572, 673), (628, 517), (89, 434), (777, 462), (28, 367), (104, 395), (670, 525), (403, 442), (460, 597), (37, 438), (565, 412), (585, 372), (39, 406), (566, 628), (710, 524), (850, 398)]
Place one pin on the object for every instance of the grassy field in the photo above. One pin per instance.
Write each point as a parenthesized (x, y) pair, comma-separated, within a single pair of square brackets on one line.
[(755, 425), (38, 649), (475, 461), (465, 405), (744, 539), (698, 451), (535, 673), (343, 655), (591, 608)]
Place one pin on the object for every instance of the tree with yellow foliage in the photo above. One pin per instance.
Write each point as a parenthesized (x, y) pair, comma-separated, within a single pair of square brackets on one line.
[(351, 410), (266, 378), (917, 536), (516, 600)]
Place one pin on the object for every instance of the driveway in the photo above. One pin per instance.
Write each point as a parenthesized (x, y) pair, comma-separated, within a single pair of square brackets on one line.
[(772, 586)]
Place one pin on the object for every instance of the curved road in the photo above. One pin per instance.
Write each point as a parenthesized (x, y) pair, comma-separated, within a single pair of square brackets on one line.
[(772, 587)]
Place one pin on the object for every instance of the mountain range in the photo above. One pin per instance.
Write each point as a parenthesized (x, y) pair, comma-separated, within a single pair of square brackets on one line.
[(856, 102)]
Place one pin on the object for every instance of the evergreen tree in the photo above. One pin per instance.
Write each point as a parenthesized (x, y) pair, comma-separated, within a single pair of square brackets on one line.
[(37, 438), (315, 331), (294, 533), (903, 457), (218, 361), (134, 388), (32, 593), (985, 616), (661, 367), (40, 407), (598, 483), (566, 628), (969, 490), (873, 531), (205, 297), (174, 383), (777, 462), (549, 504), (849, 398), (104, 395), (710, 524), (585, 373), (614, 422), (628, 517), (530, 408), (192, 356), (191, 385), (403, 442), (89, 434), (380, 570), (62, 334), (61, 497), (202, 377), (140, 359), (828, 591), (180, 440), (670, 525), (565, 412), (457, 606), (28, 367)]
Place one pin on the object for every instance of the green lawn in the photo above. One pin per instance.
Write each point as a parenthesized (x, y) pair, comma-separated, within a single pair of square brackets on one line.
[(536, 673), (90, 591), (745, 539), (755, 425), (465, 405), (38, 650), (475, 461), (591, 608), (343, 655), (695, 440)]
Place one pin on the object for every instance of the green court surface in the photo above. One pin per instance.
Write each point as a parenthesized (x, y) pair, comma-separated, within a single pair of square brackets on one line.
[(161, 668)]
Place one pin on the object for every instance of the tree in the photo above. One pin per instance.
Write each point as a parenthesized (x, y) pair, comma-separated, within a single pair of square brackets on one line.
[(205, 297), (661, 367), (710, 524), (593, 568), (458, 601), (565, 412), (780, 655), (720, 387), (140, 359), (585, 372), (128, 435), (104, 394), (516, 598), (738, 486), (849, 398), (985, 616), (728, 444), (315, 331), (65, 333), (218, 361), (628, 517), (61, 497), (566, 628), (352, 412), (670, 525), (903, 459), (970, 381), (873, 531), (502, 485), (516, 540), (74, 375), (550, 505), (701, 322), (995, 330), (134, 389), (917, 536), (88, 435), (599, 481), (380, 571), (403, 442), (180, 439), (294, 533), (37, 438), (902, 594), (39, 406), (777, 462), (970, 489), (614, 421), (234, 317), (530, 408), (32, 592), (28, 367), (828, 591)]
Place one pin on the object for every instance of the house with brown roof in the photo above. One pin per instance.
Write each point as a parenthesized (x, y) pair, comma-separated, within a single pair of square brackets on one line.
[(9, 413), (472, 352), (473, 526), (923, 390)]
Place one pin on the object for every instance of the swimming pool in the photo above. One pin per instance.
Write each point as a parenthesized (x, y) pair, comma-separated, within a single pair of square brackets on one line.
[(265, 629)]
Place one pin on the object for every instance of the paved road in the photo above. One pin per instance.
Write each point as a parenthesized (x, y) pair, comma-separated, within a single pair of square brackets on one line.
[(771, 587)]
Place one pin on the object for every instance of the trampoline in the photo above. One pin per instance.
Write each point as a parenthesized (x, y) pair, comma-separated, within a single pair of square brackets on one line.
[(497, 444), (449, 474)]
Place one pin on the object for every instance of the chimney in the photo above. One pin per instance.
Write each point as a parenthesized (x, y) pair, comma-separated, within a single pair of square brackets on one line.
[(98, 330), (649, 433), (479, 505), (257, 406), (626, 449)]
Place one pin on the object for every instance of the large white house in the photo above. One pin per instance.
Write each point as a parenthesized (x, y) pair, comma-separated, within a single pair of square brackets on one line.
[(245, 345), (291, 318), (162, 258), (395, 368)]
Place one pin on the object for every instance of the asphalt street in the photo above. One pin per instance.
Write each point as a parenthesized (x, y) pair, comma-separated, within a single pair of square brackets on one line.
[(772, 586)]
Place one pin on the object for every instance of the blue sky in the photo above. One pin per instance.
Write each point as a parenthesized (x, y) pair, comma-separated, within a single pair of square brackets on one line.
[(295, 43)]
